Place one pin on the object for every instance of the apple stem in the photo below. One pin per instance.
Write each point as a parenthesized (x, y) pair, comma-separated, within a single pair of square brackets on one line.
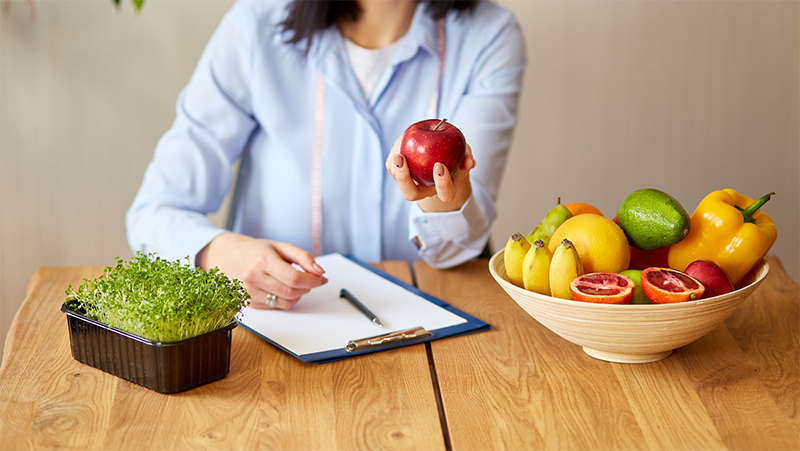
[(439, 124)]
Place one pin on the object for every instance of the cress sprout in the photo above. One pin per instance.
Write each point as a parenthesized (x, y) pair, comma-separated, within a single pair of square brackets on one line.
[(160, 300)]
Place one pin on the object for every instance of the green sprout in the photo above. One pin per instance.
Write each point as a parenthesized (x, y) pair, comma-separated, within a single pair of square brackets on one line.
[(160, 300)]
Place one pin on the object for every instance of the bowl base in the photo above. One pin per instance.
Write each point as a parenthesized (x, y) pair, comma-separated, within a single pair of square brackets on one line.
[(620, 357)]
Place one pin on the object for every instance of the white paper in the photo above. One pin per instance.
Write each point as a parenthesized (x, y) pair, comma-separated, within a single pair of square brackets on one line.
[(322, 321)]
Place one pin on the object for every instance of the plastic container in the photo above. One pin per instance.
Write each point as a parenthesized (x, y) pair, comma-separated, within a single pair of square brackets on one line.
[(169, 367)]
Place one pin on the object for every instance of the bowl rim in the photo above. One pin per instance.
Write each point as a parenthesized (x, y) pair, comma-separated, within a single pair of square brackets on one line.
[(762, 265)]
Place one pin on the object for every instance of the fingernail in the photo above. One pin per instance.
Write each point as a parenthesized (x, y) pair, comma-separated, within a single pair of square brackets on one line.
[(398, 161), (318, 268), (324, 281), (438, 168), (474, 162)]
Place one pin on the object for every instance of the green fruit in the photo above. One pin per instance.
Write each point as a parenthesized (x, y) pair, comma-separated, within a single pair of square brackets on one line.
[(652, 219), (638, 295), (554, 218)]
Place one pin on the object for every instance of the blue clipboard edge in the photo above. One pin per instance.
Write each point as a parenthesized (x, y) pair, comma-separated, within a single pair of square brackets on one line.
[(472, 325)]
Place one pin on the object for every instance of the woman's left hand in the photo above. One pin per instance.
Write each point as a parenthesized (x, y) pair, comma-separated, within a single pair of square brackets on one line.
[(449, 193)]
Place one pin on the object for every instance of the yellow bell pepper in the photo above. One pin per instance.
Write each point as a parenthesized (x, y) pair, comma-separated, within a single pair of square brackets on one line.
[(728, 229)]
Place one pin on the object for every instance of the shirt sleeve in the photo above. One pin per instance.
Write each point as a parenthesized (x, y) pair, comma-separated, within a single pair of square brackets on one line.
[(191, 171), (486, 113)]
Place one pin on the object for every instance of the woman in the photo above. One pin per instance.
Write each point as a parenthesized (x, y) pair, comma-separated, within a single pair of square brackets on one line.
[(313, 96)]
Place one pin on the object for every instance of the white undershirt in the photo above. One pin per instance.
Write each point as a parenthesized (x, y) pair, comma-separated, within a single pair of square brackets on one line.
[(368, 64)]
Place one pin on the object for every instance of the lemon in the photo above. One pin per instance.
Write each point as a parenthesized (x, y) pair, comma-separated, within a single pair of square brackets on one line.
[(601, 244)]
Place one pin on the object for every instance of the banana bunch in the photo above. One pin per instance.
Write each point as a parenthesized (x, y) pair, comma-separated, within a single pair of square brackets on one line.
[(531, 265), (534, 268)]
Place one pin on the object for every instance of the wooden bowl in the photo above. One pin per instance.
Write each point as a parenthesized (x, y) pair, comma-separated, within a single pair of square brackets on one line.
[(630, 333)]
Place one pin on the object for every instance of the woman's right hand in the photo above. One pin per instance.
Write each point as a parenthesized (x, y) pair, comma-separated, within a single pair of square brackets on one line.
[(263, 267)]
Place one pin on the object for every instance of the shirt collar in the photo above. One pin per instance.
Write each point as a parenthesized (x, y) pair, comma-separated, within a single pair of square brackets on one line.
[(421, 34)]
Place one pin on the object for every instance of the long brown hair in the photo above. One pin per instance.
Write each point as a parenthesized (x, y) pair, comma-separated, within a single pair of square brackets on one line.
[(307, 17)]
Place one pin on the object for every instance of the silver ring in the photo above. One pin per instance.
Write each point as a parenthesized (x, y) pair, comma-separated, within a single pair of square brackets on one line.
[(271, 300)]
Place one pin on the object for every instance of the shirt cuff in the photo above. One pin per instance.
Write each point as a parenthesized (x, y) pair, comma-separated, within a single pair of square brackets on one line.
[(449, 238), (435, 228), (187, 241), (194, 240)]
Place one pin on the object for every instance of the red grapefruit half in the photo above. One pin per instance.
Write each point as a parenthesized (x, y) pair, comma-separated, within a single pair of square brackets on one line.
[(602, 288), (668, 286)]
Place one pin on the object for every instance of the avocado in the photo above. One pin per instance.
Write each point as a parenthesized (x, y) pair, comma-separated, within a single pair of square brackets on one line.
[(652, 219)]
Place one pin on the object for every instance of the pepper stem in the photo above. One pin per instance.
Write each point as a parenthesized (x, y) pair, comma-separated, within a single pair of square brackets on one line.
[(750, 211)]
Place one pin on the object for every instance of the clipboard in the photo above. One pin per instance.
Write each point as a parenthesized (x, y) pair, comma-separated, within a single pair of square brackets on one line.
[(324, 328)]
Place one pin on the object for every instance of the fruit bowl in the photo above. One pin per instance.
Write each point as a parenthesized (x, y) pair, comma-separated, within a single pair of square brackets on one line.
[(631, 333)]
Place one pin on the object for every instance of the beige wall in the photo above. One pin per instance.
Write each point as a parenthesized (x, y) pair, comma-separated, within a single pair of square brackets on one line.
[(687, 97)]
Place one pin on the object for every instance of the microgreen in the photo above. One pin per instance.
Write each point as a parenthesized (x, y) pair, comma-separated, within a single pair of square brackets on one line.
[(160, 300)]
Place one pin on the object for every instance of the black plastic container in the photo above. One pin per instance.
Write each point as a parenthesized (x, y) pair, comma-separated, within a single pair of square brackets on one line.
[(169, 367)]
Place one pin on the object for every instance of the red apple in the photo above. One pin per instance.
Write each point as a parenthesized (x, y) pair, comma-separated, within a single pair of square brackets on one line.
[(432, 141), (712, 276)]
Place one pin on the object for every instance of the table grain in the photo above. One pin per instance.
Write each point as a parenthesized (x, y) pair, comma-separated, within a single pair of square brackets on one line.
[(520, 386), (516, 386)]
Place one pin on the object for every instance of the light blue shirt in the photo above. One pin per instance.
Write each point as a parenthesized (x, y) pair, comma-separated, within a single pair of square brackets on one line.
[(253, 96)]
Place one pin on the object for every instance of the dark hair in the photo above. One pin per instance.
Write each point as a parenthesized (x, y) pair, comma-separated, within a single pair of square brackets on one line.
[(307, 17)]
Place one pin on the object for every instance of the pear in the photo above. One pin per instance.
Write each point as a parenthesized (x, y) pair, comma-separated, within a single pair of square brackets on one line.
[(516, 248), (554, 218), (536, 268), (564, 268)]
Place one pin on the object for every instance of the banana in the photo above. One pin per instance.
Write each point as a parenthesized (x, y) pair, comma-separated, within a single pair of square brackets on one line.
[(516, 248), (536, 268), (564, 268), (554, 218)]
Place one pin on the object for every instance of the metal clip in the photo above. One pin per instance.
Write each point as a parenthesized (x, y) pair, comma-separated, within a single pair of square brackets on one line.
[(417, 333)]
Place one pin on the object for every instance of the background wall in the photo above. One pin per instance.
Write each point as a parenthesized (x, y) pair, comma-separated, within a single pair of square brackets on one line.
[(687, 97)]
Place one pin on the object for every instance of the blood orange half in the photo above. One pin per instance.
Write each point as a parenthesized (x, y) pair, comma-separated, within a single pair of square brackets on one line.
[(667, 286), (602, 288)]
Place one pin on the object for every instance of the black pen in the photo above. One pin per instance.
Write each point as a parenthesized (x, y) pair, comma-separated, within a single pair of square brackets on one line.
[(352, 299)]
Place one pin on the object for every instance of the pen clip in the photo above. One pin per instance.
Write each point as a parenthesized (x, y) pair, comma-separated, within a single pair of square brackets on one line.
[(413, 334)]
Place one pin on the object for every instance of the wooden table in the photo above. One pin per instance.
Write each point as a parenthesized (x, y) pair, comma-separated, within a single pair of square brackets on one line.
[(517, 386)]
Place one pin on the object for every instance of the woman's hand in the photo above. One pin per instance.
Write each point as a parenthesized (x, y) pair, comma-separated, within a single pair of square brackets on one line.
[(263, 267), (449, 194)]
